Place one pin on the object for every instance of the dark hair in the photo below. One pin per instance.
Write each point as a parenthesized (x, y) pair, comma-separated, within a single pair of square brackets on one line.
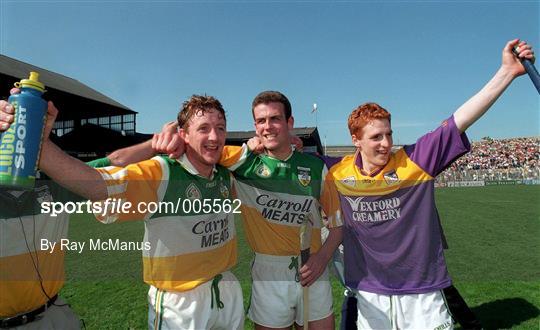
[(273, 96), (196, 104)]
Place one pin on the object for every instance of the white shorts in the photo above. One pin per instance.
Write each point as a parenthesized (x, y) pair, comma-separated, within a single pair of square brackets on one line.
[(55, 317), (200, 308), (408, 311), (276, 296)]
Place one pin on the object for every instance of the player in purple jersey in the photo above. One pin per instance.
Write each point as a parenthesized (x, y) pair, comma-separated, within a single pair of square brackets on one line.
[(392, 243), (458, 308)]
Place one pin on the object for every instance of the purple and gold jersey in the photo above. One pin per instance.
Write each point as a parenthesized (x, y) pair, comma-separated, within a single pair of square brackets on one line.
[(392, 239)]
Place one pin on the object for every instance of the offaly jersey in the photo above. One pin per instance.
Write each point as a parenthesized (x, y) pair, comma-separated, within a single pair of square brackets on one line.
[(22, 229), (392, 237), (277, 195), (186, 247)]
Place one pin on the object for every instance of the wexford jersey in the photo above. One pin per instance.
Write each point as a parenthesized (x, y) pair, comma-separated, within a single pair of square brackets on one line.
[(392, 235), (186, 247), (276, 196)]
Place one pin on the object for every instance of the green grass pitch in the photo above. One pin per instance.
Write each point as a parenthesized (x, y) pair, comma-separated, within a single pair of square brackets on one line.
[(494, 259)]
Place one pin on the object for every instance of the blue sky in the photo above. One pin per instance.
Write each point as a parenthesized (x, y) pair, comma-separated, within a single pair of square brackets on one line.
[(418, 59)]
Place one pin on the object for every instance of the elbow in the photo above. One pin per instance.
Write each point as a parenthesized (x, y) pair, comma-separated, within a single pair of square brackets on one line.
[(116, 159)]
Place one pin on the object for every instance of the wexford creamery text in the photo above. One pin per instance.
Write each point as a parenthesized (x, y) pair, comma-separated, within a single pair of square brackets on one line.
[(374, 211)]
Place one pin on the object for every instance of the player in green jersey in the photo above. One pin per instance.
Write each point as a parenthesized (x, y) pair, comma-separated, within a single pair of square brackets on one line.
[(278, 189)]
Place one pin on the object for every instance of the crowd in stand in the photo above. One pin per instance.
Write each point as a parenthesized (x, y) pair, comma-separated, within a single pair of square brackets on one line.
[(490, 159)]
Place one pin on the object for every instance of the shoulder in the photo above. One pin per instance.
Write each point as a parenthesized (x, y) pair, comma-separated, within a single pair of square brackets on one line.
[(346, 160), (164, 159), (165, 162), (343, 166), (308, 159)]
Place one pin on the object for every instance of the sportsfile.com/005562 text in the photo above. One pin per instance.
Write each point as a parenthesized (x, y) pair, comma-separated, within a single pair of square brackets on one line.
[(117, 206)]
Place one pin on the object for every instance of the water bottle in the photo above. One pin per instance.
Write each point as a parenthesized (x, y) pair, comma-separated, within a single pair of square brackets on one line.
[(20, 145)]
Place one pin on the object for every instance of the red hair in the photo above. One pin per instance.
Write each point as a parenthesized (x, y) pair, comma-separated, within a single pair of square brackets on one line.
[(362, 115)]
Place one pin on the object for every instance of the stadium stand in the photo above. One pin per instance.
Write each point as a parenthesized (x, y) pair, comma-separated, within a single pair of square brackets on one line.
[(497, 160)]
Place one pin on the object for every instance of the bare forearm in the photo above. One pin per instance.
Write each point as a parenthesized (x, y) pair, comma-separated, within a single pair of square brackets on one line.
[(334, 239), (477, 105), (71, 173), (133, 154)]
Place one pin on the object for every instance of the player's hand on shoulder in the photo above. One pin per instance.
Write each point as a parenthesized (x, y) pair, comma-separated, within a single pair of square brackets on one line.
[(255, 145), (297, 143), (169, 141)]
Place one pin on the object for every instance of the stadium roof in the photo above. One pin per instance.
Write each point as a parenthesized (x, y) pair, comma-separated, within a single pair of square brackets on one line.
[(97, 105)]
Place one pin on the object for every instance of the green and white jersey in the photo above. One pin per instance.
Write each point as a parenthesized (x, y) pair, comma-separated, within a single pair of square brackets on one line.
[(188, 242), (276, 196)]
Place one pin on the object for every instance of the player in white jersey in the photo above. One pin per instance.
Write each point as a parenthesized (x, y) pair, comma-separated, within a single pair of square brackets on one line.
[(30, 292), (278, 188), (186, 267)]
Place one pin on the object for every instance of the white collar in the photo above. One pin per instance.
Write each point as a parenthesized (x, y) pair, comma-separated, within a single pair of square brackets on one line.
[(286, 158), (184, 161)]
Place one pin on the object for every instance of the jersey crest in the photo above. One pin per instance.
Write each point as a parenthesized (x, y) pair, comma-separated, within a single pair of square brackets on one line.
[(304, 175), (192, 192), (263, 171), (349, 181), (223, 190), (391, 177), (43, 194)]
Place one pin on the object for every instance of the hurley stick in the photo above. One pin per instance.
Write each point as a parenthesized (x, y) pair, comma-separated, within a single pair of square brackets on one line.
[(305, 243)]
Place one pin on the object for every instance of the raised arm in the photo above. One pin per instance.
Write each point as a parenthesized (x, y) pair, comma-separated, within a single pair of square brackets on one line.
[(62, 168), (511, 68), (68, 171), (76, 175)]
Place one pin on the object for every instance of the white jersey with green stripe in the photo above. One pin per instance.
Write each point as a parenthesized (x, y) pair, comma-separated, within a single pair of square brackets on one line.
[(276, 196), (187, 245)]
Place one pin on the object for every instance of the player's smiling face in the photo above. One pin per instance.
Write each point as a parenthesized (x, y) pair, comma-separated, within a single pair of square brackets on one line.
[(205, 138), (375, 145), (273, 128)]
